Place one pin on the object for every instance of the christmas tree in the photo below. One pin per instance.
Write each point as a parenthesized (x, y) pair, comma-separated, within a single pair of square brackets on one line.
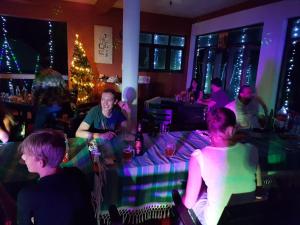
[(81, 73)]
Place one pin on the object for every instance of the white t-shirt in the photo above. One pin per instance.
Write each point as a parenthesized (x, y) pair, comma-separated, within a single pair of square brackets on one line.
[(225, 170)]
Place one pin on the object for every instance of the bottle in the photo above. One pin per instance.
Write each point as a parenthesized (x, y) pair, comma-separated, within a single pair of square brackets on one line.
[(66, 157), (24, 92), (139, 141), (95, 154)]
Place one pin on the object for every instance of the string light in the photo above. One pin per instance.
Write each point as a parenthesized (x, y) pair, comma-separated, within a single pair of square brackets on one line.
[(295, 36), (50, 44), (81, 71), (238, 66), (6, 51)]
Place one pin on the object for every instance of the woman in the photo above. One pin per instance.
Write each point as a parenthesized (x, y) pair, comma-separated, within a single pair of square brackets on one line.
[(6, 124), (194, 89), (225, 167)]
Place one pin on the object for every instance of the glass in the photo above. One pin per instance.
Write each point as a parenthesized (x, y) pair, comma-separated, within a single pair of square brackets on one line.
[(128, 153), (145, 38), (159, 58), (170, 149), (161, 39), (176, 58), (177, 41), (144, 58)]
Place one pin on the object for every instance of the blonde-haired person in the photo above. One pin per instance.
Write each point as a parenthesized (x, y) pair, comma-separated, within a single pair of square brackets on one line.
[(61, 195), (226, 168)]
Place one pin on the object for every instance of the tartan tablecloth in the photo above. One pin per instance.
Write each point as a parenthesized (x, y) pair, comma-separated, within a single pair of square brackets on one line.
[(141, 188)]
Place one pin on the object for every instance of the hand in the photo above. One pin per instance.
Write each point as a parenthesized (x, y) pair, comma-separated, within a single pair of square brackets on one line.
[(108, 135), (124, 106)]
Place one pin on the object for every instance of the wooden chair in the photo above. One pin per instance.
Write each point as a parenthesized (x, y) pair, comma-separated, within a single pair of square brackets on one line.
[(115, 217), (186, 216)]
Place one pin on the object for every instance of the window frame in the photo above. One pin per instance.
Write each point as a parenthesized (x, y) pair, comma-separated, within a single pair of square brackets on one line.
[(168, 48)]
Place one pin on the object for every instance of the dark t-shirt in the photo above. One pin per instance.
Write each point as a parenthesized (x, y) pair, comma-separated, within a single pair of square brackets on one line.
[(99, 122), (60, 199), (221, 99)]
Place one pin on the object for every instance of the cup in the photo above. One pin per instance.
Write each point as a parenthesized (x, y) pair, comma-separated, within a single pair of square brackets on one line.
[(170, 149), (128, 153)]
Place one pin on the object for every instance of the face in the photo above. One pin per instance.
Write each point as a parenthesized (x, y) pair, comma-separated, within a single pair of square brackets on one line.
[(246, 94), (31, 162), (194, 84), (107, 101)]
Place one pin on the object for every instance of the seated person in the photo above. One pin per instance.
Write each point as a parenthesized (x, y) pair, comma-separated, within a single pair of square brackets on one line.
[(246, 108), (103, 120), (192, 93), (60, 196), (225, 167), (6, 124), (218, 97)]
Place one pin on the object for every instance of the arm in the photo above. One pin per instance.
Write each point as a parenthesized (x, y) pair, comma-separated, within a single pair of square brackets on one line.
[(193, 184), (83, 132), (24, 208), (263, 105), (3, 136), (258, 177)]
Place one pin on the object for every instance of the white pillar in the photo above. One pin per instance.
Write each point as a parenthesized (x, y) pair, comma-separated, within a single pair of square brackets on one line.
[(130, 60)]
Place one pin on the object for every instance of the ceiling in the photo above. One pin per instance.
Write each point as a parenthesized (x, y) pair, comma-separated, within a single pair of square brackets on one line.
[(181, 8)]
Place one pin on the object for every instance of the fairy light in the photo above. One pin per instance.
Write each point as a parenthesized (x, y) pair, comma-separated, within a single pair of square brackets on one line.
[(37, 64), (6, 52), (50, 43), (81, 71), (238, 66), (295, 36)]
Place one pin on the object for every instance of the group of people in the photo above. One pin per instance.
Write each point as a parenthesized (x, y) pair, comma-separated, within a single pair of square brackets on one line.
[(246, 106), (61, 196)]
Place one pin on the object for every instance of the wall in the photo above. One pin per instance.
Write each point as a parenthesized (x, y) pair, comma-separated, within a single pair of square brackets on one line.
[(275, 18), (81, 18)]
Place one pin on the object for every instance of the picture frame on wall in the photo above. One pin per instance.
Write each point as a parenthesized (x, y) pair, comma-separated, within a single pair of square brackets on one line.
[(103, 44)]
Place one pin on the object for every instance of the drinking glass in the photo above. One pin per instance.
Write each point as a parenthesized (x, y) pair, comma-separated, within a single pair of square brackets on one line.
[(170, 149), (128, 153)]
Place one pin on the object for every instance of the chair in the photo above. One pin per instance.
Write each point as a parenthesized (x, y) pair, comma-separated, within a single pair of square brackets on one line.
[(245, 209), (186, 216), (159, 117), (115, 217)]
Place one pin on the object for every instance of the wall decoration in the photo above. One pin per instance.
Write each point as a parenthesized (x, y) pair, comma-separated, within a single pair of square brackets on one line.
[(103, 45)]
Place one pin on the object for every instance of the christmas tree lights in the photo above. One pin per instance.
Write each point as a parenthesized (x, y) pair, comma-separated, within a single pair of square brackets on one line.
[(81, 73), (50, 44)]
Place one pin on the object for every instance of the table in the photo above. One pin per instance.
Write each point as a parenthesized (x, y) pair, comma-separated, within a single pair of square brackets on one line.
[(141, 189)]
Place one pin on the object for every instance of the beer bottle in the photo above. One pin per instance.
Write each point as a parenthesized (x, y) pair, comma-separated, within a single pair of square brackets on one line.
[(139, 141)]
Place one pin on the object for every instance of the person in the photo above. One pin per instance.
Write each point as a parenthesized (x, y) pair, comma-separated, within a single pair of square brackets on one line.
[(218, 98), (246, 108), (194, 89), (60, 196), (224, 166), (6, 124), (105, 119)]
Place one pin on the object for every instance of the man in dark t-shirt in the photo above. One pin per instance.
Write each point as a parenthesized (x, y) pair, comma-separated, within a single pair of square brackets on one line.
[(103, 120)]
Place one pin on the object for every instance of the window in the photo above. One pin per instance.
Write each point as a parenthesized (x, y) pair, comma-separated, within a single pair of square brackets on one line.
[(161, 52), (230, 55), (290, 72)]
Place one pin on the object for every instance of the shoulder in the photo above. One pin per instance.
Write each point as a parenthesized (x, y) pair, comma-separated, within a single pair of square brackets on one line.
[(95, 109), (27, 193)]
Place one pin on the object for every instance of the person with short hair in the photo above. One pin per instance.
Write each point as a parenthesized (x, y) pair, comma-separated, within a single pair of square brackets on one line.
[(61, 195), (6, 124), (218, 97), (246, 108), (105, 119), (225, 167)]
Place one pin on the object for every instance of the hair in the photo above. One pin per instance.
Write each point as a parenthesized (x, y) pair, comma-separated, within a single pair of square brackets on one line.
[(47, 145), (112, 91), (220, 119), (198, 86), (242, 88), (217, 82)]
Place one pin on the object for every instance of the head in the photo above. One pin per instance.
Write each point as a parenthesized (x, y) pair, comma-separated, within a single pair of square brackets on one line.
[(108, 100), (43, 149), (245, 94), (194, 84), (216, 84), (221, 122)]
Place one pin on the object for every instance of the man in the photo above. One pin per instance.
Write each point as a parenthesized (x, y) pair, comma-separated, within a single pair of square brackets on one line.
[(60, 196), (246, 108), (218, 98), (103, 120)]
